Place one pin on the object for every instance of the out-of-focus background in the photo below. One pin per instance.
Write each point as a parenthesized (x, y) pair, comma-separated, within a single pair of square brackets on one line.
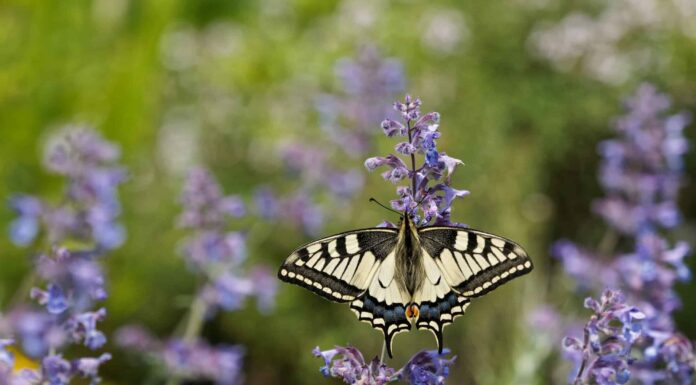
[(526, 90)]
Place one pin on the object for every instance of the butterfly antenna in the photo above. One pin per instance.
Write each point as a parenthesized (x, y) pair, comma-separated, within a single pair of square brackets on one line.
[(373, 200)]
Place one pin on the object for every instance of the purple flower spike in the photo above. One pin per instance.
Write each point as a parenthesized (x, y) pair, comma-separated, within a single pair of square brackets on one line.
[(428, 368), (348, 364), (428, 197)]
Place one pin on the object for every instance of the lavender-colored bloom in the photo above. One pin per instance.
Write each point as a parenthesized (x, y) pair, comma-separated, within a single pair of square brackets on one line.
[(83, 327), (56, 370), (136, 338), (198, 361), (88, 367), (427, 367), (347, 119), (53, 298), (36, 331), (348, 364), (91, 208), (605, 352), (641, 174), (429, 195), (25, 227), (6, 357)]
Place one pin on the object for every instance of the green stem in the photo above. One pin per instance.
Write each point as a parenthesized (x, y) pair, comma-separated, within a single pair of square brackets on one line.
[(192, 327)]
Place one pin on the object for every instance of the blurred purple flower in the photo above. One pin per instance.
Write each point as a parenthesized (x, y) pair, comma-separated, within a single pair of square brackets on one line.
[(69, 281), (215, 252), (347, 118), (429, 195), (199, 361), (218, 256), (6, 357), (641, 173), (91, 208)]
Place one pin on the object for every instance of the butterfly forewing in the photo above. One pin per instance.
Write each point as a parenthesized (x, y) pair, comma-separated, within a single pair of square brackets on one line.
[(473, 262), (340, 268)]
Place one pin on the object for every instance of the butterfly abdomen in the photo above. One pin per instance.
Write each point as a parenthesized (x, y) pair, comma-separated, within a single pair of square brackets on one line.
[(410, 270)]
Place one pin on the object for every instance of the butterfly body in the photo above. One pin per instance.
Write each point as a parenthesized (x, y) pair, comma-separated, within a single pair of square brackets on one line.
[(394, 278)]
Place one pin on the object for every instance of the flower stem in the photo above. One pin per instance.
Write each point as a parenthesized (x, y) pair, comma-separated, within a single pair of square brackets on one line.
[(585, 356), (192, 327), (413, 160)]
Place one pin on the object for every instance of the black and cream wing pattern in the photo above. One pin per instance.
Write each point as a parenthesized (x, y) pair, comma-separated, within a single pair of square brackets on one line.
[(448, 266)]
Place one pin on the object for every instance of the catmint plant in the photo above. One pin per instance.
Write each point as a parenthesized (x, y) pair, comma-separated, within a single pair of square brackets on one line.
[(425, 190), (426, 194), (427, 367), (218, 256), (78, 232), (641, 173), (346, 119)]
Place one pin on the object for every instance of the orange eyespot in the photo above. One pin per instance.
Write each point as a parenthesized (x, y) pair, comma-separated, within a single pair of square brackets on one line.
[(412, 311)]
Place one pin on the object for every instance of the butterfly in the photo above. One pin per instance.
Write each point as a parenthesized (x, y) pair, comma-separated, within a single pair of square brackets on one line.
[(394, 278)]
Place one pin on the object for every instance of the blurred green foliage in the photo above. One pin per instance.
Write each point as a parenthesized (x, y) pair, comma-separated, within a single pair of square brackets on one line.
[(177, 83)]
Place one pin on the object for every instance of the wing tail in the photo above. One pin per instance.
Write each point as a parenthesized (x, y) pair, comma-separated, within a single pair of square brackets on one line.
[(389, 319)]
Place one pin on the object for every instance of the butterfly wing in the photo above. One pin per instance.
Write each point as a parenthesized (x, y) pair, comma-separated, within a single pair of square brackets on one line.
[(341, 267), (462, 264), (384, 304)]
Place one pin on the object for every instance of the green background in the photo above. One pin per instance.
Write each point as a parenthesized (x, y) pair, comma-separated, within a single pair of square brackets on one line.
[(526, 130)]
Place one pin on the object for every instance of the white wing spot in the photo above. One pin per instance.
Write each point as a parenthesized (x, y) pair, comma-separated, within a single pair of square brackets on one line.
[(291, 274), (311, 249), (462, 240), (352, 245), (284, 272), (480, 244), (527, 264), (497, 242), (332, 249)]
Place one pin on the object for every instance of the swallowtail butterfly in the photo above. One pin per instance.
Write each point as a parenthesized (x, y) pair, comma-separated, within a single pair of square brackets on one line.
[(396, 277)]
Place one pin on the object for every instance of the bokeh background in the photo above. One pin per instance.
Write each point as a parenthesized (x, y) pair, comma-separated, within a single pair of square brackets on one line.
[(526, 90)]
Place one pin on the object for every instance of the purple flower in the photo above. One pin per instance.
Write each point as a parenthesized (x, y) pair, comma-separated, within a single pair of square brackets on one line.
[(25, 227), (53, 298), (83, 327), (56, 370), (641, 173), (348, 364), (427, 368), (610, 334), (6, 357), (429, 195), (88, 367), (347, 119), (199, 361)]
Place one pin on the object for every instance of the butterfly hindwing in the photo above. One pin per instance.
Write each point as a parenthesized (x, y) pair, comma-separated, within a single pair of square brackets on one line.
[(341, 267), (473, 262), (384, 304), (438, 304)]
